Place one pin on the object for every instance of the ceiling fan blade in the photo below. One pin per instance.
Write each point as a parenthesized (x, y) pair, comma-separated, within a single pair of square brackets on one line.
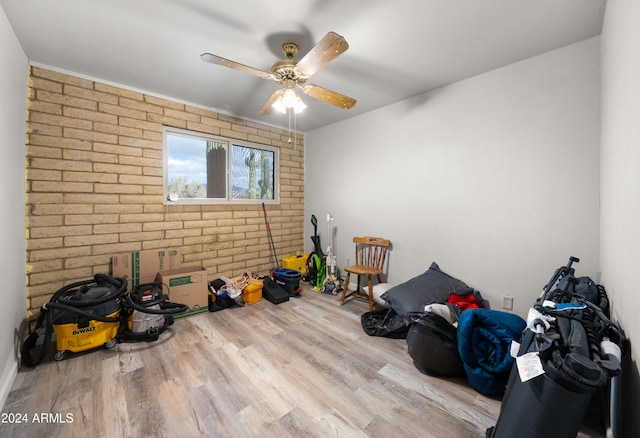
[(267, 107), (329, 96), (215, 59), (327, 49)]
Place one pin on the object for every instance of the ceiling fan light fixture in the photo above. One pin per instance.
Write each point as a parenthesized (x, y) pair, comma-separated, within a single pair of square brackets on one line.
[(289, 100), (299, 106)]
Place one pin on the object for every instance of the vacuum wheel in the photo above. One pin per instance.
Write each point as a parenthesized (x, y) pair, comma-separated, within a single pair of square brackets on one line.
[(110, 343), (59, 355)]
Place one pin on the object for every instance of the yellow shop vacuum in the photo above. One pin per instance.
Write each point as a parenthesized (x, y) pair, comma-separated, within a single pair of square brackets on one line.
[(83, 315)]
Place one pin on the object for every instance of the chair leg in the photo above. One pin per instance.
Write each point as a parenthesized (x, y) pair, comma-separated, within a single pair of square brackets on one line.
[(344, 289), (370, 294)]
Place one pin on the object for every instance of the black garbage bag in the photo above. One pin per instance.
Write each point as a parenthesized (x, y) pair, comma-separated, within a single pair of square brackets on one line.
[(385, 323), (433, 345)]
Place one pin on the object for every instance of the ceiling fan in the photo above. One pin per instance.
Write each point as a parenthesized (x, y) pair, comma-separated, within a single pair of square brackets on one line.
[(292, 74)]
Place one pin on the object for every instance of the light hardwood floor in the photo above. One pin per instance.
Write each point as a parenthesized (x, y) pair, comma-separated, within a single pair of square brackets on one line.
[(303, 368)]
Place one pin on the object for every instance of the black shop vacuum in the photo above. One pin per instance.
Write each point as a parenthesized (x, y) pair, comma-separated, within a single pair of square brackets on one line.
[(147, 313), (83, 315)]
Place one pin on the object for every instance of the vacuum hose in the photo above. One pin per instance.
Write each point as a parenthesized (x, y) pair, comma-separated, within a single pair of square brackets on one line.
[(75, 294), (63, 301), (154, 297)]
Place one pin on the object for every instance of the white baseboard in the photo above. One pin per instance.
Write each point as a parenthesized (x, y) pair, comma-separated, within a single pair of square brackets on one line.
[(9, 373)]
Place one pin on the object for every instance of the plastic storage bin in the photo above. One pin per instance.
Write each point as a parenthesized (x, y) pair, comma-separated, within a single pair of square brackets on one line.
[(252, 293), (298, 263)]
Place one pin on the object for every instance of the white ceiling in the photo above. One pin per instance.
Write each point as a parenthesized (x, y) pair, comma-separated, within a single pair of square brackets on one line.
[(398, 48)]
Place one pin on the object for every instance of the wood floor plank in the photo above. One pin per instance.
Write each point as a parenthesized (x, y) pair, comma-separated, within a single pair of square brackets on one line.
[(303, 368)]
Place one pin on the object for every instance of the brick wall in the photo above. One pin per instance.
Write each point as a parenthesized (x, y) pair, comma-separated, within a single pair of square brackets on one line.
[(95, 188)]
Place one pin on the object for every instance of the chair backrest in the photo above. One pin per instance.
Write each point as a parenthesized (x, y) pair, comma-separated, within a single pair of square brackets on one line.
[(371, 251)]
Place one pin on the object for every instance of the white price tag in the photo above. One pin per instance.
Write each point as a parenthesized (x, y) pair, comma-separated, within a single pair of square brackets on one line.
[(529, 366), (515, 347)]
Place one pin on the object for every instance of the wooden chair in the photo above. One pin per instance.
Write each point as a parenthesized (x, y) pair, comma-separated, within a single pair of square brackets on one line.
[(371, 253)]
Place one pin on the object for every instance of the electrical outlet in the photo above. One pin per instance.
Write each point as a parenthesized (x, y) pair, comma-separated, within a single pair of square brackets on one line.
[(507, 302)]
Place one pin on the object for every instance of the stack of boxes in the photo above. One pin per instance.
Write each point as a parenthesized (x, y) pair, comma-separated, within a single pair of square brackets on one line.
[(184, 285)]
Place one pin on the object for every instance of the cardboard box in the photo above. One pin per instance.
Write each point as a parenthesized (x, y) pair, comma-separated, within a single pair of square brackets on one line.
[(143, 266), (187, 285)]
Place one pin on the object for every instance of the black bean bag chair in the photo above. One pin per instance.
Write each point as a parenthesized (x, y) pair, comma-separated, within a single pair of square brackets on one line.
[(433, 345)]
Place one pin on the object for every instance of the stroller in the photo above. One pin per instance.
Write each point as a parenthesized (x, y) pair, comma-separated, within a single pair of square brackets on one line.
[(569, 350)]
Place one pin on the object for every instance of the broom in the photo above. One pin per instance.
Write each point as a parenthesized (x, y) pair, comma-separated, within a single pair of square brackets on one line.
[(273, 247)]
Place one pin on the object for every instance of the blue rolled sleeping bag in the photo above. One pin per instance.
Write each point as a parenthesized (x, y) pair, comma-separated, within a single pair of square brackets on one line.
[(484, 342)]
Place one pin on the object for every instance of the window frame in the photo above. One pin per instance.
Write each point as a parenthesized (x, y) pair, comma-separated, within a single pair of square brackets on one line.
[(228, 200)]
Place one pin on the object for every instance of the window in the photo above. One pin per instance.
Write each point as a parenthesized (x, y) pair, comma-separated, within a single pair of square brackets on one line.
[(201, 168)]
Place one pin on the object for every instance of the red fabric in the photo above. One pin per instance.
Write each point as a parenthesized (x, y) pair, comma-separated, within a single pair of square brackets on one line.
[(463, 302)]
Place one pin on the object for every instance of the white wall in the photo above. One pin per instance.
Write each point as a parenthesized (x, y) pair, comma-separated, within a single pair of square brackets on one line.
[(13, 89), (496, 178), (620, 187)]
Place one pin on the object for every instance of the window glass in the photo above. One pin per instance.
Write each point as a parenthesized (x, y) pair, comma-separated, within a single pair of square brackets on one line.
[(209, 169), (252, 174)]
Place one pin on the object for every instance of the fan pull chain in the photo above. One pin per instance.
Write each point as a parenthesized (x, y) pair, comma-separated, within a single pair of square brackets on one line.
[(295, 131), (289, 111), (295, 119)]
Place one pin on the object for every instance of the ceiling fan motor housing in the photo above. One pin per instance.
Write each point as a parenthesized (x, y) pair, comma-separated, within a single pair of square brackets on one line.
[(284, 71)]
